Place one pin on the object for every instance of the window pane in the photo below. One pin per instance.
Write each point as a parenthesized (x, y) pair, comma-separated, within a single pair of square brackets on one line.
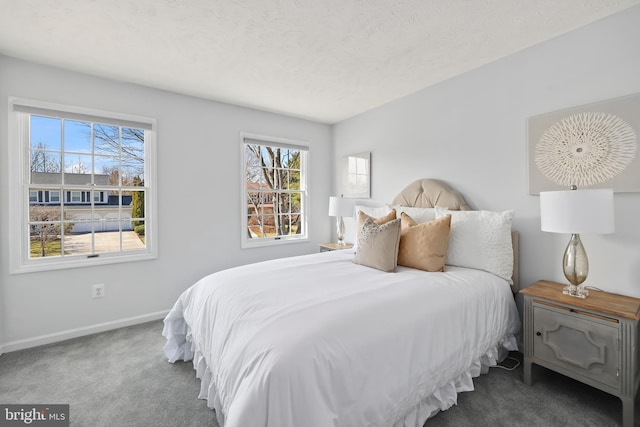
[(43, 161), (80, 240), (107, 170), (254, 203), (106, 140), (132, 171), (284, 156), (45, 133), (44, 240), (77, 137), (133, 143), (134, 207), (45, 213), (285, 225), (294, 160), (295, 203), (282, 179), (253, 167), (107, 241), (298, 220), (77, 164), (254, 225), (133, 240), (294, 180)]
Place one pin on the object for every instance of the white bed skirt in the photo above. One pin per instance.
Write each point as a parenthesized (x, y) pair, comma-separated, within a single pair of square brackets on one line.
[(179, 346)]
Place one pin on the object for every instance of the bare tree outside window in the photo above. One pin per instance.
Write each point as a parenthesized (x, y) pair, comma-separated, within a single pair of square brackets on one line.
[(46, 227), (123, 142), (43, 160)]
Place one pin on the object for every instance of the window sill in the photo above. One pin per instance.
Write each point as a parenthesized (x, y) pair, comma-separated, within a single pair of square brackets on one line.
[(272, 242), (80, 261)]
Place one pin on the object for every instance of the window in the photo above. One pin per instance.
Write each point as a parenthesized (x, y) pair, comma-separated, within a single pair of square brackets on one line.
[(274, 191), (75, 196), (82, 187)]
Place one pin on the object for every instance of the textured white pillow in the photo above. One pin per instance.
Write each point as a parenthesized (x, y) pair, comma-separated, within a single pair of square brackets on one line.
[(481, 240), (419, 215)]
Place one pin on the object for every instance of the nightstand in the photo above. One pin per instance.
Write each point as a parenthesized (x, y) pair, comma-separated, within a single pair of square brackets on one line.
[(593, 340), (326, 247)]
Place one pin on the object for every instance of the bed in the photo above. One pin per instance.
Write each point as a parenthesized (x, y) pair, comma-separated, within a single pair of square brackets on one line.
[(320, 340)]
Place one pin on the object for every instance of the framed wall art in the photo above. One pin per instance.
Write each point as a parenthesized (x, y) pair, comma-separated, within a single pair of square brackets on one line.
[(355, 175)]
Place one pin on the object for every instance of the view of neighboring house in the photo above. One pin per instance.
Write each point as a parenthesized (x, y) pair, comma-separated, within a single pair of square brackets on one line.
[(105, 212), (260, 211)]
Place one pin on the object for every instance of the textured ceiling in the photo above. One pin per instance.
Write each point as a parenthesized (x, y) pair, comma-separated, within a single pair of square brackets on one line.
[(324, 60)]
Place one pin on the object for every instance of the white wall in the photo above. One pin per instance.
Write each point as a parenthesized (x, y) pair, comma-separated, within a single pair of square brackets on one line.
[(470, 131), (198, 206)]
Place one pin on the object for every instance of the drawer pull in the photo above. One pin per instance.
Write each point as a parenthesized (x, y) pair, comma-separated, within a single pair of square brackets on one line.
[(538, 333)]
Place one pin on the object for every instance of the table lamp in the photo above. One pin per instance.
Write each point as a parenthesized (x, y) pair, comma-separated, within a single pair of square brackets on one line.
[(340, 207), (574, 212)]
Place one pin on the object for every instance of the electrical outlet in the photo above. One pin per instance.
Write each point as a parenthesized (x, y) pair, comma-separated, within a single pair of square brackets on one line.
[(97, 291)]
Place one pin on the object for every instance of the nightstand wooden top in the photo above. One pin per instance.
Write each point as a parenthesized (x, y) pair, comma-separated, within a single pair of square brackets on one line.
[(335, 246), (600, 301)]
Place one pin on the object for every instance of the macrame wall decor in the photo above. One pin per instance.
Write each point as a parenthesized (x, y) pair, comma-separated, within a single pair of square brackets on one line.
[(594, 145)]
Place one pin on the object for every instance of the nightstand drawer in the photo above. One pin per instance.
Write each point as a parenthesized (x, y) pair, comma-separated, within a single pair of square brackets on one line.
[(580, 342)]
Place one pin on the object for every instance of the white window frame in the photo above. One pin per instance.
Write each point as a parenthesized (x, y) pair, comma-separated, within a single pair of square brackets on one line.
[(19, 173), (249, 138)]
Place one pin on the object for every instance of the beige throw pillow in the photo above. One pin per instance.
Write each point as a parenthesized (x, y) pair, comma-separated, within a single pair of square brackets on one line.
[(424, 246), (378, 245), (362, 217)]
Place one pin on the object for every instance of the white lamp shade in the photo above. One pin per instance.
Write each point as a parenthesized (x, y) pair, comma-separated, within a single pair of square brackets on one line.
[(577, 211), (339, 206)]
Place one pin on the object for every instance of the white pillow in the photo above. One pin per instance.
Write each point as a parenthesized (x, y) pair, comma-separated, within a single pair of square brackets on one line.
[(481, 240), (419, 215), (374, 211)]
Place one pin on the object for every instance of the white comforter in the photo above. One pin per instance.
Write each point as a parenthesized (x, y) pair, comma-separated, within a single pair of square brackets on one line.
[(319, 341)]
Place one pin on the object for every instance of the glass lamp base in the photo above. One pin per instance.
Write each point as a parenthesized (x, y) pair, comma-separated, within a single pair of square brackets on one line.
[(576, 267), (340, 231), (575, 291)]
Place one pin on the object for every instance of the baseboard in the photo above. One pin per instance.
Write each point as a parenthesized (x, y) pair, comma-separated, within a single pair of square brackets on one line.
[(79, 332)]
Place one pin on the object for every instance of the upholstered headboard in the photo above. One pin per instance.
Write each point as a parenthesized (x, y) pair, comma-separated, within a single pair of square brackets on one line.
[(429, 193)]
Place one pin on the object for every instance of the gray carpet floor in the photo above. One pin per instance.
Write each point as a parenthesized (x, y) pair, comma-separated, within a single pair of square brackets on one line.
[(121, 378)]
